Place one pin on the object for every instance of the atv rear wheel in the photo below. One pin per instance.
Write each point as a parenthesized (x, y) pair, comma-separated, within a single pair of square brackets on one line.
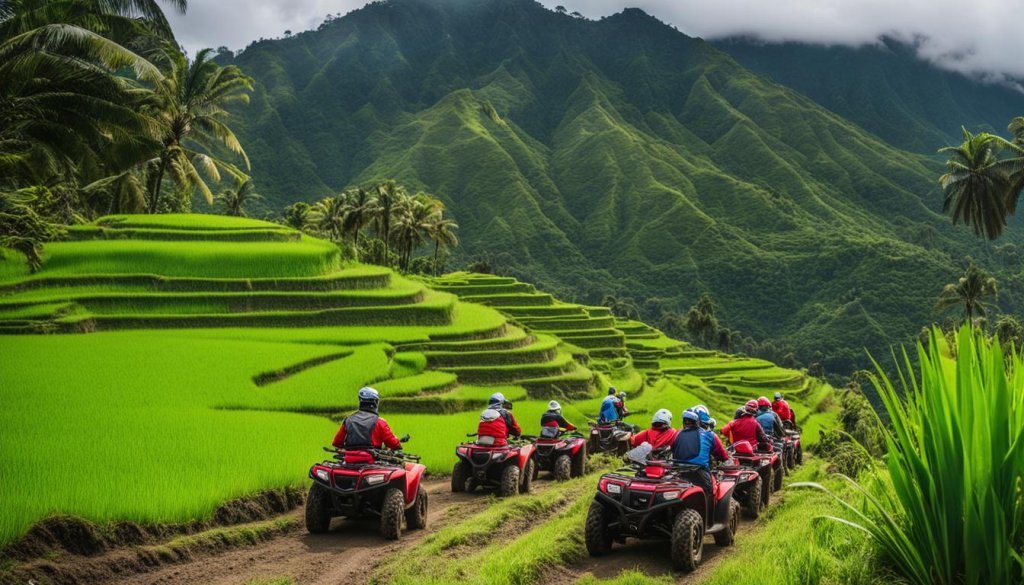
[(767, 486), (392, 513), (416, 516), (563, 468), (687, 540), (579, 462), (779, 473), (754, 503), (527, 475), (596, 533), (622, 448), (728, 536), (459, 477), (318, 509), (800, 455), (509, 481)]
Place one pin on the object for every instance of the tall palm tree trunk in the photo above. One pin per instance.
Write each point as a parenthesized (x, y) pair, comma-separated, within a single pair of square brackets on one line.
[(437, 244), (154, 198)]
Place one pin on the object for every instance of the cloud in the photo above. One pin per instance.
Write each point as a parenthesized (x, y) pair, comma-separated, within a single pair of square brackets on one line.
[(977, 37)]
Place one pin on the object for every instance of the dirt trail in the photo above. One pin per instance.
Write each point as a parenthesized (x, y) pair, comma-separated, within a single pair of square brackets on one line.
[(348, 554)]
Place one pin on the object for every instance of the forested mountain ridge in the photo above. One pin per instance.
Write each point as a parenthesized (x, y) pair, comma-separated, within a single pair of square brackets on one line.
[(885, 88), (614, 156)]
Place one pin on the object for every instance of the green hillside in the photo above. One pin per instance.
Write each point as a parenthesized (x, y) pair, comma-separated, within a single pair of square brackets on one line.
[(228, 379), (614, 156), (884, 88)]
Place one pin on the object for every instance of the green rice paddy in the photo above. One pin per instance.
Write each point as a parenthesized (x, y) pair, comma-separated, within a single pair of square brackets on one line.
[(157, 366)]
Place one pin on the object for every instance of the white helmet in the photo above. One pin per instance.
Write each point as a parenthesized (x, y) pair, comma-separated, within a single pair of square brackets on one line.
[(489, 415), (497, 398), (366, 394), (663, 416), (555, 406)]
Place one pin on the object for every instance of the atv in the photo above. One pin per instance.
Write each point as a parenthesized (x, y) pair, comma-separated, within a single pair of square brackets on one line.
[(750, 491), (658, 501), (368, 483), (787, 448), (794, 435), (564, 455), (768, 465), (508, 468), (610, 437)]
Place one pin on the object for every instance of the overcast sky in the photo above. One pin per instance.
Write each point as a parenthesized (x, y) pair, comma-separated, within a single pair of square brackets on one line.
[(977, 36)]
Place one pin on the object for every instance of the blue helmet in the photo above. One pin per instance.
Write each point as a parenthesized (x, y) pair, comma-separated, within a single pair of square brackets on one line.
[(703, 416)]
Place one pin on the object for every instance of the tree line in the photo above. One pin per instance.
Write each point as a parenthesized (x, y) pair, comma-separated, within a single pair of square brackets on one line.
[(399, 221)]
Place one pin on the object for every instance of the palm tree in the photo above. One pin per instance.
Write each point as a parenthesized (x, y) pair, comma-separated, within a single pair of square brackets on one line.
[(982, 188), (23, 229), (442, 231), (235, 199), (412, 216), (190, 108), (971, 291), (64, 108), (389, 193), (360, 207), (328, 215), (298, 215)]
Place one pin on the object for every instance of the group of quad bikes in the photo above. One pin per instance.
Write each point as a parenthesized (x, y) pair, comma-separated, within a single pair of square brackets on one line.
[(649, 498)]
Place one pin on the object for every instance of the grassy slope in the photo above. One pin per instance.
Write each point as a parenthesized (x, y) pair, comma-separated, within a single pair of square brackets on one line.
[(616, 156)]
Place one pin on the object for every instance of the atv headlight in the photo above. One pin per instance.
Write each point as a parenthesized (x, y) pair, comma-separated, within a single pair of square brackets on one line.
[(614, 488), (374, 479), (667, 496), (323, 475), (497, 455)]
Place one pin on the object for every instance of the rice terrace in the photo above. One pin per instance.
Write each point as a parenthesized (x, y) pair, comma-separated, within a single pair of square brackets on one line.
[(503, 292)]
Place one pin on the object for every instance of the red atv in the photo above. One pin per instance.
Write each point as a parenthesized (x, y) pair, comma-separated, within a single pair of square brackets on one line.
[(768, 465), (794, 436), (564, 455), (508, 468), (610, 437), (368, 483), (749, 492), (657, 501)]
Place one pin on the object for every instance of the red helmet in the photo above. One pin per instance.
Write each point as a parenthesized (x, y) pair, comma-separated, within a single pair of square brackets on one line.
[(763, 402), (751, 406)]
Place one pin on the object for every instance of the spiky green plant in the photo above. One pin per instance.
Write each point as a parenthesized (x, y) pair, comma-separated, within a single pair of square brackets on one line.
[(949, 510)]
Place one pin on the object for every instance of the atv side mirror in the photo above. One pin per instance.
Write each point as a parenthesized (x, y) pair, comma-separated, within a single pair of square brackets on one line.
[(404, 439), (470, 434)]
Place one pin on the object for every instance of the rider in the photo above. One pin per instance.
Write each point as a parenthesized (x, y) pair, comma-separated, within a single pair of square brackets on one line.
[(782, 408), (364, 429), (660, 435), (552, 421), (769, 421), (708, 424), (613, 407), (695, 446), (746, 428), (497, 422)]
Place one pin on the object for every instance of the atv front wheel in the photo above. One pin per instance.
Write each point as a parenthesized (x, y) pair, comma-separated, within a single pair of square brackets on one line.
[(752, 506), (527, 475), (687, 540), (563, 468), (459, 477), (318, 509), (392, 512), (779, 473), (579, 462), (596, 532), (509, 481), (728, 536), (416, 516)]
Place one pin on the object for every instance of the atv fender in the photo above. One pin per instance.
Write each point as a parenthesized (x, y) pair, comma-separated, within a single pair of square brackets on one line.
[(576, 446), (525, 452), (695, 499), (724, 492), (413, 474)]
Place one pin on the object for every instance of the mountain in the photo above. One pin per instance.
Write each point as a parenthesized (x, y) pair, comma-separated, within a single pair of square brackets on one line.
[(614, 156), (885, 88)]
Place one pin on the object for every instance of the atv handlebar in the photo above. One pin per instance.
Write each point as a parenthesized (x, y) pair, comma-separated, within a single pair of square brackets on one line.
[(387, 455)]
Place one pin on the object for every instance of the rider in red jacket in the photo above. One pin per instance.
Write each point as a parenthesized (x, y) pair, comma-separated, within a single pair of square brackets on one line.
[(497, 423), (364, 429), (782, 408), (661, 434), (746, 428)]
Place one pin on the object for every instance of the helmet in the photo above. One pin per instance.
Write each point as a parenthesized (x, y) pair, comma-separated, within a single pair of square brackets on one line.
[(701, 408), (689, 415), (778, 396), (662, 417), (621, 396), (555, 406), (497, 398), (611, 390), (703, 416), (489, 415), (368, 398), (739, 412), (763, 402), (711, 423), (751, 407)]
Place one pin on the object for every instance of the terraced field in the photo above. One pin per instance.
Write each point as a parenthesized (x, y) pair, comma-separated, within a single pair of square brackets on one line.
[(181, 361)]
